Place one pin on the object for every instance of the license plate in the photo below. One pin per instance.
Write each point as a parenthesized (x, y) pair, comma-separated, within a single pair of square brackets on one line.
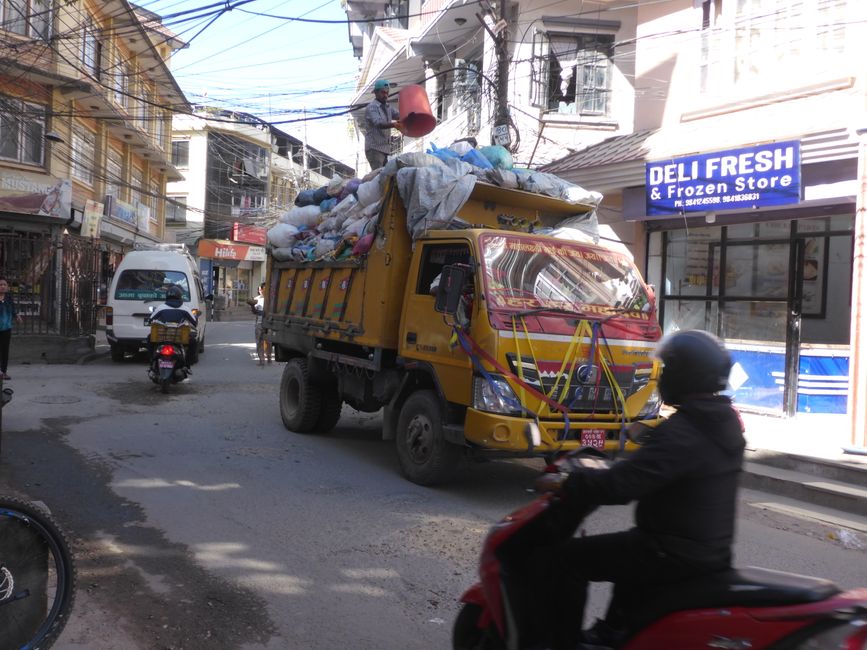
[(593, 438), (167, 363)]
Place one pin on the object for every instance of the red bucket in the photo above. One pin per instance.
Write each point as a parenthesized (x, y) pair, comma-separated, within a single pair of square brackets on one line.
[(415, 114)]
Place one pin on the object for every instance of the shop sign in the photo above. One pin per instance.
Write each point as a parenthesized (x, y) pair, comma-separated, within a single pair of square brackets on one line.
[(36, 194), (122, 211), (92, 218), (242, 232), (752, 177), (221, 250)]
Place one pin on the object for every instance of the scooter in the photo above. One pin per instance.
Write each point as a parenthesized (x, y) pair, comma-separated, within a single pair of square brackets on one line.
[(737, 609), (168, 357)]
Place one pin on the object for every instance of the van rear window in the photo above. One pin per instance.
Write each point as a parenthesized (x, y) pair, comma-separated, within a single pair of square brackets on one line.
[(136, 284)]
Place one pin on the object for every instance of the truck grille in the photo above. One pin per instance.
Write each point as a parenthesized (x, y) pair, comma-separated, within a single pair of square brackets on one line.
[(589, 389)]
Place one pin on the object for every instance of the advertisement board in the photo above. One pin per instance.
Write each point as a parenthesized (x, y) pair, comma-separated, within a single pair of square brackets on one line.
[(37, 194), (750, 177)]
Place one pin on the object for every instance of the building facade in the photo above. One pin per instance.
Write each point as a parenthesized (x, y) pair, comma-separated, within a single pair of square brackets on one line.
[(86, 98), (567, 73), (737, 187), (239, 174)]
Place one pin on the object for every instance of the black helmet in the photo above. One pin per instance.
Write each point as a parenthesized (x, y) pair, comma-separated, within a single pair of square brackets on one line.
[(694, 362), (174, 296)]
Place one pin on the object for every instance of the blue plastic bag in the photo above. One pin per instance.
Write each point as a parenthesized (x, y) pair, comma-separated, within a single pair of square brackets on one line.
[(474, 157), (498, 156), (443, 153)]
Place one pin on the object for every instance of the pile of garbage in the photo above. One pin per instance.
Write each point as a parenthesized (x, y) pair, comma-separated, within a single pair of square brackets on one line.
[(339, 221)]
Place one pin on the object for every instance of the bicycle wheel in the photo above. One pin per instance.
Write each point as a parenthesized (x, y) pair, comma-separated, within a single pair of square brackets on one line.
[(37, 577)]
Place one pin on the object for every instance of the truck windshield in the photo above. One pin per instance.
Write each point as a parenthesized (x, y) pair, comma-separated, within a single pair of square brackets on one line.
[(526, 274), (142, 284)]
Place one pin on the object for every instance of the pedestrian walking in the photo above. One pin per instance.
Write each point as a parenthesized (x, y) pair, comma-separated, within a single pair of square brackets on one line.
[(8, 315), (263, 347)]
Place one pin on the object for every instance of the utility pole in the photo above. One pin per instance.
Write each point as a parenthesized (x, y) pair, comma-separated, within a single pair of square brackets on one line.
[(500, 35)]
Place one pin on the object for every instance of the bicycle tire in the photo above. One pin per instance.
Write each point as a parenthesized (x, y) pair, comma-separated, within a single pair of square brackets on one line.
[(45, 566)]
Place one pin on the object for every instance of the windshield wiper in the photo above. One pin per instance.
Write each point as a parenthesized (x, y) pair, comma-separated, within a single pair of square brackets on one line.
[(538, 310)]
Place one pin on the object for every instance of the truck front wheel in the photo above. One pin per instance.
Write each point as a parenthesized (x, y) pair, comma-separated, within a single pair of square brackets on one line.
[(300, 399), (425, 456)]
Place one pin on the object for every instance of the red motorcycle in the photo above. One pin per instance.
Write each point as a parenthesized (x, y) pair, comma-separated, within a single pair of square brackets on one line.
[(737, 609)]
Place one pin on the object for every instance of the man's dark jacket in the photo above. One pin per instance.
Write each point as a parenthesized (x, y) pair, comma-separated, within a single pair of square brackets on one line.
[(685, 479)]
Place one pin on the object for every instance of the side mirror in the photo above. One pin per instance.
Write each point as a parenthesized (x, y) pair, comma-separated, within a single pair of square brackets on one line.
[(449, 291)]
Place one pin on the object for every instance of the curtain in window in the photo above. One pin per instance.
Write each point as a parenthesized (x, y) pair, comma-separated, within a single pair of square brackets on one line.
[(565, 50)]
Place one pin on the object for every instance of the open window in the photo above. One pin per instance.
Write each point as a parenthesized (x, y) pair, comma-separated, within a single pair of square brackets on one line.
[(572, 73)]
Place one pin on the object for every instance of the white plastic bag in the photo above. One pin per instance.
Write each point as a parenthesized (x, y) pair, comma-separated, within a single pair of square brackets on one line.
[(282, 235), (369, 192), (308, 216)]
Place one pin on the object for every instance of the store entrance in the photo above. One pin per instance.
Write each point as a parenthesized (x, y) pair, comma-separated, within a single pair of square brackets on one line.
[(778, 294)]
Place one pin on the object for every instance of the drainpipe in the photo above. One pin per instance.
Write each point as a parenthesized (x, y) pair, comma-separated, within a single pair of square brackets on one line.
[(857, 403)]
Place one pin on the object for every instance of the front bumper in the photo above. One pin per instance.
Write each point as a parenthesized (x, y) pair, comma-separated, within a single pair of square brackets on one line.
[(508, 434)]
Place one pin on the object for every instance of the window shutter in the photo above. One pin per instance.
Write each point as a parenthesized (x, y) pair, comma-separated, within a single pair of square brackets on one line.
[(539, 71)]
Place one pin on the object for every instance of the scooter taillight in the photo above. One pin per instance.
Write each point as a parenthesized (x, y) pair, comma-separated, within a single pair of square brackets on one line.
[(166, 351)]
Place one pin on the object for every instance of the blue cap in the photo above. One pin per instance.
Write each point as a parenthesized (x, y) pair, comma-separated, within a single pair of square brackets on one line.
[(381, 84)]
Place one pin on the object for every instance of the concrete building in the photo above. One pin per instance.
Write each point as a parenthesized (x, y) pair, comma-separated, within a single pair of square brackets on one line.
[(86, 98), (570, 71), (737, 188), (239, 173)]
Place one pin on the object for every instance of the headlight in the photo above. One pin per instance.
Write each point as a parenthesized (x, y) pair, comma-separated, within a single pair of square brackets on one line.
[(495, 396), (651, 407)]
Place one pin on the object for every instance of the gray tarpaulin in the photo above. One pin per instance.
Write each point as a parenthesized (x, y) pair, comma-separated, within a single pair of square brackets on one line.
[(433, 195)]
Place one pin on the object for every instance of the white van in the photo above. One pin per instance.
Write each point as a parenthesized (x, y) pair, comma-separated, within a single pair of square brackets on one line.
[(139, 284)]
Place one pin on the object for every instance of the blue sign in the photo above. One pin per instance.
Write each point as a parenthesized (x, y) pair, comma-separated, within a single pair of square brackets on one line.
[(768, 174)]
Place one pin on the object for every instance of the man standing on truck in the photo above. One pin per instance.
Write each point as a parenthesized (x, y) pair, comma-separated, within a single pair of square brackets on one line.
[(379, 120)]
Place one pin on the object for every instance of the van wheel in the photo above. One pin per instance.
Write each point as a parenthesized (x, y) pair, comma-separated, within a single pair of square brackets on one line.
[(193, 354), (116, 353), (202, 346), (300, 400), (425, 456)]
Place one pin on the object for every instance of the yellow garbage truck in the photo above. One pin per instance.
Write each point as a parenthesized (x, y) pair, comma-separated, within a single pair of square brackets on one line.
[(490, 339)]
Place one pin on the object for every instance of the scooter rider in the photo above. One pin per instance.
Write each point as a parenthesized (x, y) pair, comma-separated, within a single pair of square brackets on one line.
[(684, 478), (173, 311)]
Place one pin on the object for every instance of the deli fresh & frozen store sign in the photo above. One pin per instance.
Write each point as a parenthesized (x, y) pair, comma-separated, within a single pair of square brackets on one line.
[(768, 174)]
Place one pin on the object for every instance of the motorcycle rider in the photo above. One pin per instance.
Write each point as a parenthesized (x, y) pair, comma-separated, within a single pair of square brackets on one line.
[(684, 478), (173, 311)]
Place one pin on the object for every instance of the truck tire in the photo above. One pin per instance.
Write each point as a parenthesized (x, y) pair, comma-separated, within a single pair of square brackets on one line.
[(426, 458), (300, 399), (330, 409)]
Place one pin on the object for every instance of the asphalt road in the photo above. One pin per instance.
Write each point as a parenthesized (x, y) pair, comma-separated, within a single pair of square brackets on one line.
[(198, 521)]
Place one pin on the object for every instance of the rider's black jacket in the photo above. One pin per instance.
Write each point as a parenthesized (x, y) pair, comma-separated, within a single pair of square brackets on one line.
[(685, 479)]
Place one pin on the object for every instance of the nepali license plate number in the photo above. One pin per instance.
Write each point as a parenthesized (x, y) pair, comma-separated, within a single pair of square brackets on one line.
[(593, 438), (167, 363)]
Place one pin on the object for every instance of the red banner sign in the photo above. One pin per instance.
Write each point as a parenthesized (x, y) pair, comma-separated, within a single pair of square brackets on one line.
[(216, 249), (242, 232)]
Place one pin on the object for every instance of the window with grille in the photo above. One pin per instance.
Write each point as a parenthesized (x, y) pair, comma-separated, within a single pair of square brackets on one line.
[(113, 173), (176, 210), (181, 153), (26, 17), (83, 147), (571, 73), (91, 48), (22, 131)]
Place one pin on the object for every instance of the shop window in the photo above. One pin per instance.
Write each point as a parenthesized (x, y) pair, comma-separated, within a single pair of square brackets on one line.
[(22, 129), (571, 73)]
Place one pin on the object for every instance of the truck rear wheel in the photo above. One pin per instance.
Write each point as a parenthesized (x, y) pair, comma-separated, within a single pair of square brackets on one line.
[(330, 409), (425, 456), (300, 399)]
